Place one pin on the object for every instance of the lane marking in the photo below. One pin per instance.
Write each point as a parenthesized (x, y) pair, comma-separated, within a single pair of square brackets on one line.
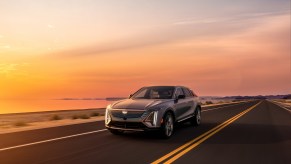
[(50, 140), (206, 110), (180, 151), (280, 105)]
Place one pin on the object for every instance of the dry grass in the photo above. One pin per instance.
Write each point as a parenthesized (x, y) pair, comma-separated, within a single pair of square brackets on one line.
[(94, 114), (55, 117), (80, 116), (20, 124)]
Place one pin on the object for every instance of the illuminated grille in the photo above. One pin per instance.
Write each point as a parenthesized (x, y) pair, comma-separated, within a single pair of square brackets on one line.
[(130, 114)]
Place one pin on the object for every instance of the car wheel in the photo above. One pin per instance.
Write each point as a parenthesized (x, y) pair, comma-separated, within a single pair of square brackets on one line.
[(168, 126), (196, 120), (116, 132)]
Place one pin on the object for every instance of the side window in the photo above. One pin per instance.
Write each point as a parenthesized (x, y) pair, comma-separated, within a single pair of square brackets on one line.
[(179, 92), (187, 92), (193, 93)]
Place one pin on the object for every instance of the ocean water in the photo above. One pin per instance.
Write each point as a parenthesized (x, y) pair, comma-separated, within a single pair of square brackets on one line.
[(20, 106)]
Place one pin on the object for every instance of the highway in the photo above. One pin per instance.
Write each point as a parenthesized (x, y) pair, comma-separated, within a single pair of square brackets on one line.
[(249, 132)]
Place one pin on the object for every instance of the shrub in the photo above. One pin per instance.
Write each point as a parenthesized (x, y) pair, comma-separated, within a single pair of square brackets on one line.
[(84, 116), (20, 123), (55, 117), (94, 114), (208, 102), (75, 117)]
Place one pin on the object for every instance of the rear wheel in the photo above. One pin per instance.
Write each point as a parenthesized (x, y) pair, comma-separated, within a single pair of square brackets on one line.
[(196, 120), (168, 126), (116, 132)]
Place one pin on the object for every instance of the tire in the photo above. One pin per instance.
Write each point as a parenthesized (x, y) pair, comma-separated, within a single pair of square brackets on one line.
[(116, 132), (196, 120), (168, 126)]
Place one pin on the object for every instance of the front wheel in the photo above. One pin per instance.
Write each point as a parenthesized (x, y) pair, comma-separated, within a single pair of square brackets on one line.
[(168, 126), (196, 120)]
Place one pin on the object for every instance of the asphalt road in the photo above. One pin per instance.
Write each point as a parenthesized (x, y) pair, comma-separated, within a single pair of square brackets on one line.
[(249, 132)]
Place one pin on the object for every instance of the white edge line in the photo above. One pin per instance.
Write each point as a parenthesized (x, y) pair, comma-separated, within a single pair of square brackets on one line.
[(280, 105), (50, 140)]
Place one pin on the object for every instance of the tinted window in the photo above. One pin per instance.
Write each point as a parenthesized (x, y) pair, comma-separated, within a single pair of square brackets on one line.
[(179, 92), (187, 92), (157, 92)]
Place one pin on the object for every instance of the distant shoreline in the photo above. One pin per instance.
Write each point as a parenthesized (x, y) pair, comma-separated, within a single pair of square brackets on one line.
[(51, 111)]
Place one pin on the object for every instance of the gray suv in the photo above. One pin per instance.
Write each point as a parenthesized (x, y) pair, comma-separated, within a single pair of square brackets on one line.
[(154, 108)]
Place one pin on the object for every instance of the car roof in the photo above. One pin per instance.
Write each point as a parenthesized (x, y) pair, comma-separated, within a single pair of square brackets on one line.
[(166, 86)]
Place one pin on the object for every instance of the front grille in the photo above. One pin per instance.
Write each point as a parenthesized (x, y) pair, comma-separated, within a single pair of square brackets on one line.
[(130, 114), (128, 125)]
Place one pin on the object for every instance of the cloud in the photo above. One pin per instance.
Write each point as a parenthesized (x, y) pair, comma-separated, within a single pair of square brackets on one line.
[(182, 30), (7, 68), (5, 46), (11, 70), (230, 18), (51, 26)]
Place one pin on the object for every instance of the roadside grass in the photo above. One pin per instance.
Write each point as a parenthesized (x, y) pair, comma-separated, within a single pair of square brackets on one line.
[(55, 117), (80, 116), (20, 124), (94, 114)]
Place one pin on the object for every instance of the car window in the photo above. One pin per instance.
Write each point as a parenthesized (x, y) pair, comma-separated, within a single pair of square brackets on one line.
[(193, 94), (179, 92), (157, 92), (187, 92)]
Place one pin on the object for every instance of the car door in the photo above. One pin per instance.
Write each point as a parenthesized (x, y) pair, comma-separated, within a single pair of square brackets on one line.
[(182, 106), (191, 104)]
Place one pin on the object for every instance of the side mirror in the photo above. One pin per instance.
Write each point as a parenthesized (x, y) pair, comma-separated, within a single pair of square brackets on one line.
[(181, 96), (130, 96)]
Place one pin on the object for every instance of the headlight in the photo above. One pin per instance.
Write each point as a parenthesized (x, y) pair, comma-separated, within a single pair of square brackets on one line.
[(107, 115), (152, 118)]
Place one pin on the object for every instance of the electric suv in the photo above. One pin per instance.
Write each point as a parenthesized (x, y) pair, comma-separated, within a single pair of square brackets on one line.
[(154, 108)]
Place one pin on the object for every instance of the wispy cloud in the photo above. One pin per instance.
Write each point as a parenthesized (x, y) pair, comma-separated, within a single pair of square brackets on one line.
[(51, 26), (182, 30), (13, 69), (229, 18)]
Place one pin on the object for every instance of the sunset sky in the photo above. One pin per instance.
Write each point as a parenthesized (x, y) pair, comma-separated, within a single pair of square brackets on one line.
[(83, 48)]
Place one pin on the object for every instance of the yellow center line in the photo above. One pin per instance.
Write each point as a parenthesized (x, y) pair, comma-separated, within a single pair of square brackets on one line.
[(191, 144)]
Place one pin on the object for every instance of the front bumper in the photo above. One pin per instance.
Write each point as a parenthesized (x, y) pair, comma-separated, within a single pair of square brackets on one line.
[(130, 126), (132, 120)]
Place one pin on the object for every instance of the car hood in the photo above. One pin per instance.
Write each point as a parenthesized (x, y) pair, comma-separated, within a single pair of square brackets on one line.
[(136, 103)]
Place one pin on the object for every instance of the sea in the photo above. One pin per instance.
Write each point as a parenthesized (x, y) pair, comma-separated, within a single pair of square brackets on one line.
[(40, 105)]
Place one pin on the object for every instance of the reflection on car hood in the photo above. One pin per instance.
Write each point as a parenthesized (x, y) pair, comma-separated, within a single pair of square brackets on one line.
[(136, 103)]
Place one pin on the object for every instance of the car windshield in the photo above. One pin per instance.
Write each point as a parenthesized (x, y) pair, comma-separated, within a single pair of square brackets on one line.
[(161, 92)]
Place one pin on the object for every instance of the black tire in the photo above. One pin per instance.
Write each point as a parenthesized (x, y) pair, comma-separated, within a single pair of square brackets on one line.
[(196, 120), (116, 132), (168, 126)]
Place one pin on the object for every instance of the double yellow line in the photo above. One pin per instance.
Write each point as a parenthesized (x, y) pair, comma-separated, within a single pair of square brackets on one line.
[(180, 151)]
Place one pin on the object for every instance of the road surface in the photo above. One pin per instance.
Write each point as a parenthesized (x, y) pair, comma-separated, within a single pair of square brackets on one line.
[(248, 132)]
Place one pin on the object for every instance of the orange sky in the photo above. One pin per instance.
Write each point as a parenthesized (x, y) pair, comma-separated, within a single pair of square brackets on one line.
[(85, 49)]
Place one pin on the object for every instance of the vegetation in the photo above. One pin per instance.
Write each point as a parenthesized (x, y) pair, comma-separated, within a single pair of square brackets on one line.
[(55, 117), (208, 102), (84, 116), (20, 124), (94, 114), (80, 116)]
